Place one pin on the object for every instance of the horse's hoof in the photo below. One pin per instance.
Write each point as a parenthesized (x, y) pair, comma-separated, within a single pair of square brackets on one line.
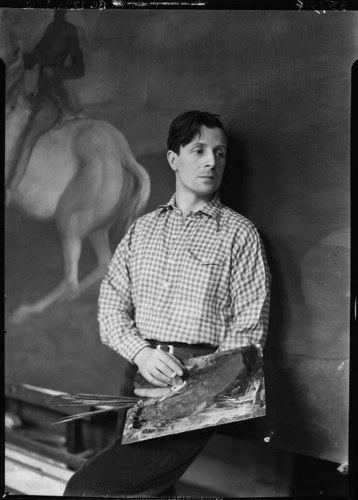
[(22, 313)]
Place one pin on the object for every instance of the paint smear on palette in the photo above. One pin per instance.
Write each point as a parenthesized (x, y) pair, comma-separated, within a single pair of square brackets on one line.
[(219, 388)]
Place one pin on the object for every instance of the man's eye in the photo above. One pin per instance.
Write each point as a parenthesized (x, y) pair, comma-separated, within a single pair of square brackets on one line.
[(220, 154), (198, 151)]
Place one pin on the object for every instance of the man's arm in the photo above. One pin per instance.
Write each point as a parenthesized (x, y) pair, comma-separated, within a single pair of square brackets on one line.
[(117, 324), (115, 306), (250, 294)]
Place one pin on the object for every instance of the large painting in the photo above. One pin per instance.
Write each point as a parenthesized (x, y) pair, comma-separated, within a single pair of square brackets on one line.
[(89, 98), (61, 164)]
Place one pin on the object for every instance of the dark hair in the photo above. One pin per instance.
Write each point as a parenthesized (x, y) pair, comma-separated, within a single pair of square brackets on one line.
[(187, 126)]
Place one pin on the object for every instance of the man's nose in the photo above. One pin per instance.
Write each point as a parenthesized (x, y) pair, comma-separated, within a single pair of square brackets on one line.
[(210, 159)]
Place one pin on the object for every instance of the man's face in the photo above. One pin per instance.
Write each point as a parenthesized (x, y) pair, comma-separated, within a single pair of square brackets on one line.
[(199, 166)]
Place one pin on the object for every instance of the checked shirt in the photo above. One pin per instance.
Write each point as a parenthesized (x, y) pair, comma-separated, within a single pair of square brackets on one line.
[(199, 280)]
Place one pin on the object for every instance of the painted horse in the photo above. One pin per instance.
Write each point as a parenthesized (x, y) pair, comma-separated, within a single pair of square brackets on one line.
[(83, 175)]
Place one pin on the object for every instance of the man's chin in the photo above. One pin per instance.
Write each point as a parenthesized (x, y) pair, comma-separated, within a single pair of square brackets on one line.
[(208, 191)]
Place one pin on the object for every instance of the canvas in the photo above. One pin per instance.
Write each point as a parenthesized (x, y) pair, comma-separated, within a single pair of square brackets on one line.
[(218, 389)]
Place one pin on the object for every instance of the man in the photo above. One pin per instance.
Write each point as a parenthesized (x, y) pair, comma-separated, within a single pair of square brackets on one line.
[(189, 277)]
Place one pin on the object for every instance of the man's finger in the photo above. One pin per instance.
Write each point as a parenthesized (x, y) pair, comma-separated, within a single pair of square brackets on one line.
[(153, 380), (159, 375), (169, 373), (172, 363), (152, 393)]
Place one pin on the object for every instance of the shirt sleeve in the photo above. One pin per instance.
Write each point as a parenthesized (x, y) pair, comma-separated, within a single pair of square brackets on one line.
[(250, 294), (115, 305)]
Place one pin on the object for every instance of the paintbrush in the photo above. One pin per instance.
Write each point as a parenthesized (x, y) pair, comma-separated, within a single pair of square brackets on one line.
[(105, 404)]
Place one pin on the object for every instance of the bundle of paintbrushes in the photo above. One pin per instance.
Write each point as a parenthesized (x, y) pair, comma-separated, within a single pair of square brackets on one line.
[(102, 402)]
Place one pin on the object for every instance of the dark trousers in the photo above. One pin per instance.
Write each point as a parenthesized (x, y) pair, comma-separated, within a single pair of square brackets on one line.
[(146, 468)]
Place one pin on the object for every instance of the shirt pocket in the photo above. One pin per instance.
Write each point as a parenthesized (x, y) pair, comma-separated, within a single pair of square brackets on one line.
[(206, 267), (208, 256)]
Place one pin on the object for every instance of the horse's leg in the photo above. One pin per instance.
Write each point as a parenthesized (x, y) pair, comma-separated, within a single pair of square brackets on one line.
[(100, 243), (71, 246)]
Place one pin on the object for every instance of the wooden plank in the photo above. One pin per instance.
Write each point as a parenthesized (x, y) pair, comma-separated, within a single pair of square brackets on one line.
[(73, 461), (49, 466), (31, 481), (39, 396), (33, 474)]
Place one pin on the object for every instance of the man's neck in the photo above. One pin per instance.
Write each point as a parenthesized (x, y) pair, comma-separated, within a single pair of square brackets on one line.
[(188, 203)]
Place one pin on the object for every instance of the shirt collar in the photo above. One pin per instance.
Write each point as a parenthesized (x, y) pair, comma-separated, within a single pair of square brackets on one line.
[(212, 208), (165, 206)]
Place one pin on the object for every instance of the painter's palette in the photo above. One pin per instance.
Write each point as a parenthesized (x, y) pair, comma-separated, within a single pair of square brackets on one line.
[(220, 388)]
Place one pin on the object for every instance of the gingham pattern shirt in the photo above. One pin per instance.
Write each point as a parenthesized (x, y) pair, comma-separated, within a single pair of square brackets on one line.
[(199, 280)]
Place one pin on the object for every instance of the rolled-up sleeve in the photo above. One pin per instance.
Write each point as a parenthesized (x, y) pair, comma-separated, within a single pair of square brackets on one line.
[(116, 315), (249, 292)]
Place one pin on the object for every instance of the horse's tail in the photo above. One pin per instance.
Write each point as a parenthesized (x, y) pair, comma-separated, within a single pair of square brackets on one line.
[(142, 194), (136, 192)]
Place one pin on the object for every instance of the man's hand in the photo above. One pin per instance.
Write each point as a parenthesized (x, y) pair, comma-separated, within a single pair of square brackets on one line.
[(158, 367)]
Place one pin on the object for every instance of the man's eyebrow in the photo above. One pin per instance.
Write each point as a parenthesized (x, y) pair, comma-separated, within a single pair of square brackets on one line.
[(203, 143)]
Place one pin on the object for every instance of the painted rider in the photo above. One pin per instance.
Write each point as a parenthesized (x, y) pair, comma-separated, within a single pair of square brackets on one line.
[(59, 57)]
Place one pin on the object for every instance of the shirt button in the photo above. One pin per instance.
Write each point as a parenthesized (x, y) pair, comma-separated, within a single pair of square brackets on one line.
[(166, 284), (171, 261), (175, 236)]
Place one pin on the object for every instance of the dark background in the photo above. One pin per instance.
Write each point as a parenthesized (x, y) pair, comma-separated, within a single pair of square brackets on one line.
[(281, 83)]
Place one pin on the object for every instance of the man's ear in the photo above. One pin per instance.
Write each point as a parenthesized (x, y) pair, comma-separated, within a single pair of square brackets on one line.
[(172, 159)]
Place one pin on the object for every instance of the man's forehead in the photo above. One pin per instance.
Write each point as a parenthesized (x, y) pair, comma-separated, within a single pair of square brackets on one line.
[(207, 134)]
